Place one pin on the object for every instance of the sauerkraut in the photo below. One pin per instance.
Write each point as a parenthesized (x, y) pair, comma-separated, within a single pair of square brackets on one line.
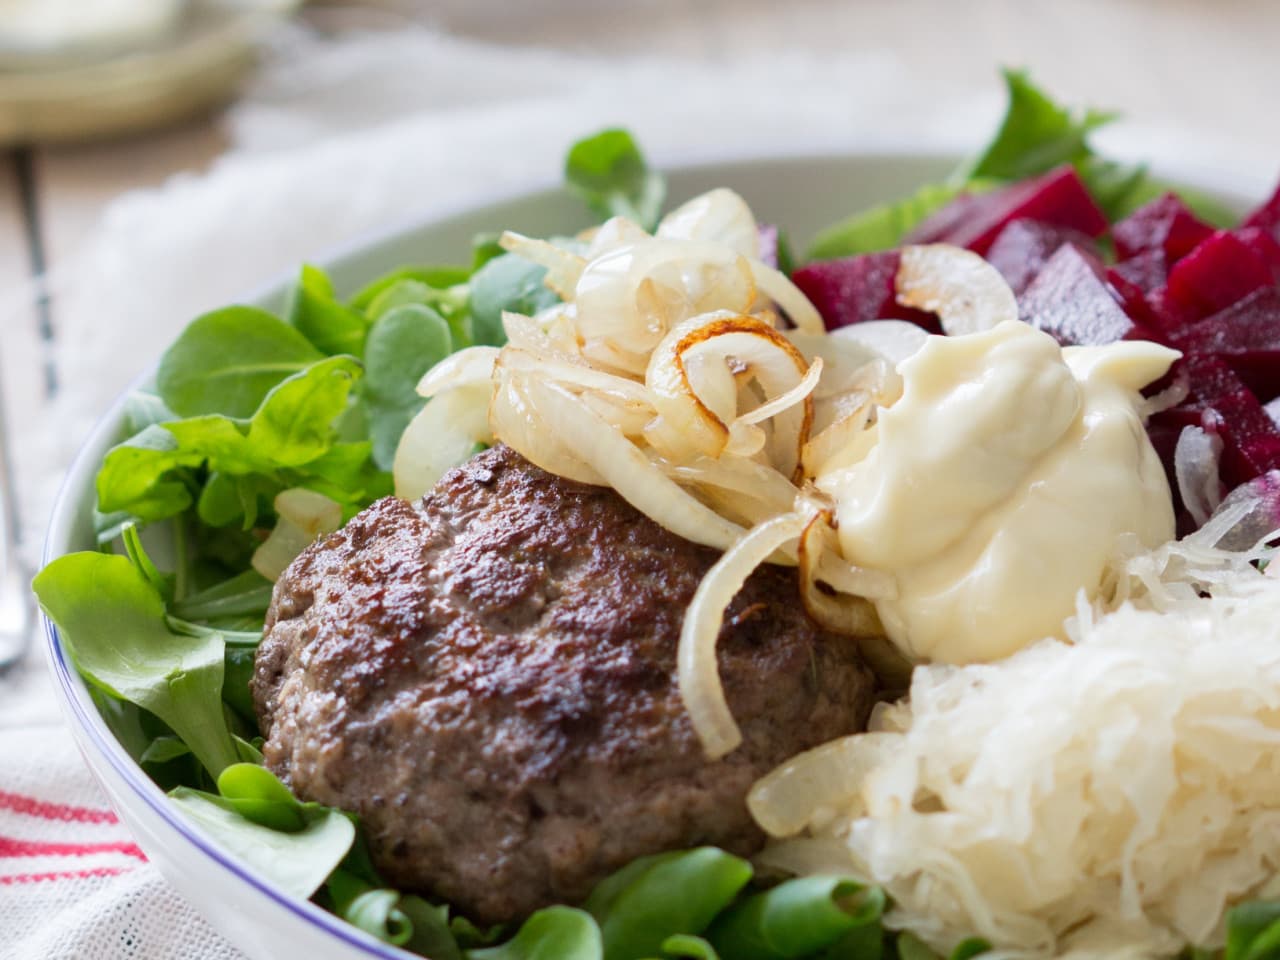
[(1110, 796)]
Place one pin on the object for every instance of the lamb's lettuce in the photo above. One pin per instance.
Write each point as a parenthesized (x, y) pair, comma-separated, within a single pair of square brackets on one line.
[(797, 918), (610, 173), (113, 622)]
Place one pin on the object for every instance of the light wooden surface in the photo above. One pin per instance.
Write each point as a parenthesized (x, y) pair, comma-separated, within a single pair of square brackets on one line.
[(1207, 65)]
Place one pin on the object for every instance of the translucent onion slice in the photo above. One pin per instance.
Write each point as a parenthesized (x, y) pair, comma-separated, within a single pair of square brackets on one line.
[(755, 347), (720, 216), (826, 778), (847, 609), (444, 434), (779, 288), (564, 267), (629, 417), (1195, 466), (819, 454), (745, 478), (303, 516), (572, 372), (466, 367), (631, 296), (613, 233), (967, 293), (697, 671), (516, 421), (890, 340), (620, 464), (787, 399)]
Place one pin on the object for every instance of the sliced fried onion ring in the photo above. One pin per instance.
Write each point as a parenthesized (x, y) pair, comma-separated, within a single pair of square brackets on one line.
[(692, 378), (471, 366), (564, 267), (443, 434), (697, 672), (848, 611), (830, 777), (967, 293), (620, 464)]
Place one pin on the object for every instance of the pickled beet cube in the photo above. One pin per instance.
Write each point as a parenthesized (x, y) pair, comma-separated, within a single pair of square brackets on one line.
[(1072, 301), (942, 222), (1147, 271), (856, 289), (1227, 267), (1267, 216), (1165, 224), (1251, 440), (1025, 246), (1059, 197), (1246, 336)]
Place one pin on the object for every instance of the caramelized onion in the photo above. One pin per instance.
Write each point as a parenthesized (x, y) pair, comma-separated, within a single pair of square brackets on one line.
[(303, 515), (443, 434), (471, 366), (697, 672), (967, 293)]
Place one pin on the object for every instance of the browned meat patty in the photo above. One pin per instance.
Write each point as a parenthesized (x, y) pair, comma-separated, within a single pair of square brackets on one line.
[(488, 679)]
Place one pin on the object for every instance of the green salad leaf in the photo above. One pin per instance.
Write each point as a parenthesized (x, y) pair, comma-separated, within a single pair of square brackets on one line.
[(330, 325), (1035, 135), (404, 343), (610, 173), (506, 282), (556, 933), (282, 444), (1253, 931), (298, 861), (226, 362), (656, 897), (112, 620), (687, 947), (796, 918)]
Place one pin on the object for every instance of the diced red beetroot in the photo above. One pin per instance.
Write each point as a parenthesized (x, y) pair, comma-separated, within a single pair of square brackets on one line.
[(1133, 301), (1058, 197), (1225, 268), (856, 289), (1147, 271), (1267, 216), (951, 216), (1251, 441), (1246, 336), (1025, 246), (1264, 245), (1071, 300), (1165, 224)]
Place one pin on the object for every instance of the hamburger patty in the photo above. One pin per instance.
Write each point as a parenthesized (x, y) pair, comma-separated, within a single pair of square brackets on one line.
[(488, 678)]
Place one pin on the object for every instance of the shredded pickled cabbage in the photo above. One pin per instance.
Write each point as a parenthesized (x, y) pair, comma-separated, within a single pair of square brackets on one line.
[(1106, 797)]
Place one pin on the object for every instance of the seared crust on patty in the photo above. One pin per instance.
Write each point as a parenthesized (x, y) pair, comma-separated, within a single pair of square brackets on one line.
[(488, 679)]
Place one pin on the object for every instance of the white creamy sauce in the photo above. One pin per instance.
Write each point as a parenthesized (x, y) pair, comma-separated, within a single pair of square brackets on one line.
[(995, 488)]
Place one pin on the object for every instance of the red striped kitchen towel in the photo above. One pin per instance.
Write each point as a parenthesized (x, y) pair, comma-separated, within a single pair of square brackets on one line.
[(73, 884)]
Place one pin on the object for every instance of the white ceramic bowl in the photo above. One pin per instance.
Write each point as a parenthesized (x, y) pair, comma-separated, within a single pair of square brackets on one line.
[(800, 194)]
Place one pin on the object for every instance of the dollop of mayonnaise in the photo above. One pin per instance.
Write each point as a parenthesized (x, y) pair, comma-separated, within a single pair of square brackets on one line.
[(995, 488)]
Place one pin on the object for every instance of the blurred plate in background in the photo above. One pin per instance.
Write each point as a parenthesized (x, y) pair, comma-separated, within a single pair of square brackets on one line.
[(63, 78)]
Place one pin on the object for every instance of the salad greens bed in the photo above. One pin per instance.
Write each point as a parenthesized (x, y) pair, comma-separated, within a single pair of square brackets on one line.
[(248, 404)]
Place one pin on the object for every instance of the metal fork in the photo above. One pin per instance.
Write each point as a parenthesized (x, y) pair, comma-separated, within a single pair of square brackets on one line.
[(16, 607)]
